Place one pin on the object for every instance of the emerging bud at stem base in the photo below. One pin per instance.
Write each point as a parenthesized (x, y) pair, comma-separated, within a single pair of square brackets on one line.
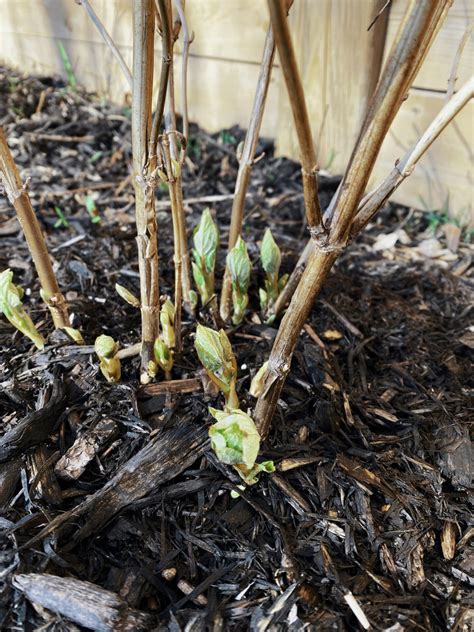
[(12, 308), (240, 268), (216, 356), (236, 441), (106, 349), (206, 243), (127, 295), (256, 387)]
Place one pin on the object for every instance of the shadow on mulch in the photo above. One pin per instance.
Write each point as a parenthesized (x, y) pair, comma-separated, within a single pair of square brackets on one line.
[(116, 515)]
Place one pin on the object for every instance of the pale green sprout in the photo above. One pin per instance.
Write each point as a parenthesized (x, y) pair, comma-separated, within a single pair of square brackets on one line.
[(236, 441), (127, 296), (165, 343), (258, 381), (12, 308), (216, 356), (240, 269), (270, 257), (206, 242), (106, 349)]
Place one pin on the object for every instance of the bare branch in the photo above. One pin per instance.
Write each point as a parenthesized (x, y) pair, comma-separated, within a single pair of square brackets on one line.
[(107, 39)]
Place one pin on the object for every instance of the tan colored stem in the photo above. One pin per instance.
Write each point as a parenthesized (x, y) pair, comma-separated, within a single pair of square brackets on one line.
[(177, 230), (411, 44), (246, 164), (143, 53), (351, 186), (300, 115), (171, 129), (18, 196), (187, 41), (161, 13)]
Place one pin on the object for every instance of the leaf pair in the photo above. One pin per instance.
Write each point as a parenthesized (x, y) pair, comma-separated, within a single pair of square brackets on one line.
[(216, 356), (240, 269), (12, 307), (206, 243), (236, 441)]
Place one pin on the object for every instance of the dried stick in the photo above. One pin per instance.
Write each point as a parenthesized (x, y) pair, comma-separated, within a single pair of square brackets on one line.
[(177, 232), (300, 115), (404, 168), (418, 55), (422, 19), (19, 198), (246, 164), (456, 61), (187, 41), (143, 53), (161, 15), (171, 129), (107, 39)]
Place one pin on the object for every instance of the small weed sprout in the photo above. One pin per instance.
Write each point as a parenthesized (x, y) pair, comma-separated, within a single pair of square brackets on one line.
[(12, 308), (270, 258), (206, 243), (106, 349), (216, 356), (240, 268), (165, 343)]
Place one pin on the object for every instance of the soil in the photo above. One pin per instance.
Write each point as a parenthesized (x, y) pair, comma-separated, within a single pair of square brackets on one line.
[(115, 513)]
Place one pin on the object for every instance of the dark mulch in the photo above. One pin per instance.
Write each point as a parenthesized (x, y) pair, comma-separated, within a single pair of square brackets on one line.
[(372, 496)]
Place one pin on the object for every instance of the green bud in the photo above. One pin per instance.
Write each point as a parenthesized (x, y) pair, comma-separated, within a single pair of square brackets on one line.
[(105, 346), (111, 369), (176, 168), (127, 296), (167, 323), (163, 356), (270, 255), (75, 335), (216, 356), (263, 296), (250, 476), (256, 387), (206, 241), (240, 266), (12, 308)]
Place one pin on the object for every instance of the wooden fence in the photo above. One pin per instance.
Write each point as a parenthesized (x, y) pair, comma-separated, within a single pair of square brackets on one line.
[(339, 61)]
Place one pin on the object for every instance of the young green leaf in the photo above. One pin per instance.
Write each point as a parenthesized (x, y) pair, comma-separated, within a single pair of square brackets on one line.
[(167, 323), (163, 356), (236, 441), (75, 335), (234, 438), (105, 346), (12, 308)]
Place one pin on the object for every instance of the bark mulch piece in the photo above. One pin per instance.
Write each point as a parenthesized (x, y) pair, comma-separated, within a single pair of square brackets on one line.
[(116, 514)]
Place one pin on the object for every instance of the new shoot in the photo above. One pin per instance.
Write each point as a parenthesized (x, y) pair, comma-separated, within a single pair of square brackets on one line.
[(106, 349), (270, 257), (12, 308), (216, 356), (206, 242), (240, 268), (166, 342)]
